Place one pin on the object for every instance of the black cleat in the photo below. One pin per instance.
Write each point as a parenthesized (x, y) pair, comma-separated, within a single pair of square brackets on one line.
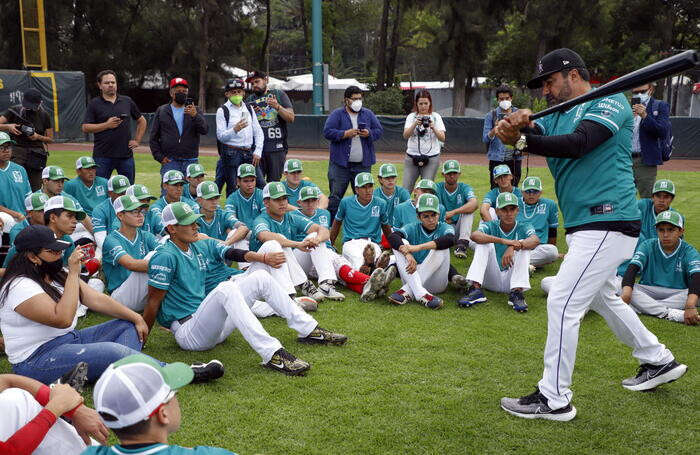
[(207, 372), (286, 363), (76, 378)]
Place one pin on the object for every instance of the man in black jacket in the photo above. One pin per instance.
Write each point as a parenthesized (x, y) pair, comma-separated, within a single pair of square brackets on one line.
[(176, 129)]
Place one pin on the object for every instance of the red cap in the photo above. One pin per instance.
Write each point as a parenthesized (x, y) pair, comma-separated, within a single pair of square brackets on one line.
[(178, 81)]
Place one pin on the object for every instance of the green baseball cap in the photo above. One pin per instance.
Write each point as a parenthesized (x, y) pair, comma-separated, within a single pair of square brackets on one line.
[(5, 138), (53, 173), (179, 213), (671, 217), (118, 184), (387, 170), (127, 203), (140, 191), (208, 190), (364, 178), (65, 203), (85, 162), (501, 169), (293, 165), (246, 170), (426, 184), (428, 203), (506, 199), (274, 190), (195, 170), (309, 192), (532, 183), (173, 177), (450, 166), (35, 201), (664, 185)]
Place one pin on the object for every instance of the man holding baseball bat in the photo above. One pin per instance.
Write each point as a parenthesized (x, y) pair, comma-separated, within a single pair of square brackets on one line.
[(588, 150)]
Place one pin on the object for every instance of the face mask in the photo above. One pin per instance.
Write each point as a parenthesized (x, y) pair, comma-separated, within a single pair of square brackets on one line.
[(180, 98), (236, 99), (356, 105), (50, 268), (504, 104), (260, 91), (643, 97)]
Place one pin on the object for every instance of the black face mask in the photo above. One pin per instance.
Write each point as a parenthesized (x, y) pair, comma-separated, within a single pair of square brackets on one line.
[(180, 98), (260, 92), (50, 268)]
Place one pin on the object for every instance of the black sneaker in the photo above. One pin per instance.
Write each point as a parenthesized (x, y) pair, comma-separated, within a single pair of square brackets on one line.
[(322, 336), (286, 363), (206, 372), (76, 378), (534, 406), (516, 299), (461, 251), (651, 376)]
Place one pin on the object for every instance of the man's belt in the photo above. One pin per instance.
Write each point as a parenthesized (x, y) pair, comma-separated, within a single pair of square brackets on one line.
[(185, 319), (238, 149)]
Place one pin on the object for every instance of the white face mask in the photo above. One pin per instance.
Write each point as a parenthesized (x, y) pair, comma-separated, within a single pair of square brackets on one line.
[(504, 104), (356, 105), (643, 97)]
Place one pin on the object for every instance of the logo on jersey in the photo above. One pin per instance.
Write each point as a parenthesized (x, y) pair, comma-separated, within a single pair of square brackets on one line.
[(142, 249), (255, 207), (541, 209), (17, 176), (375, 211), (323, 219), (201, 260), (459, 199), (160, 277), (100, 190)]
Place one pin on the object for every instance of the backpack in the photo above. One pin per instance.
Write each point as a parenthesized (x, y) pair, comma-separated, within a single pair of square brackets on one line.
[(227, 115)]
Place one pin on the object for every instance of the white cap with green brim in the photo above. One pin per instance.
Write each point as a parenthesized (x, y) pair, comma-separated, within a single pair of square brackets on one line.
[(195, 170), (179, 213), (387, 170), (132, 388), (127, 203), (501, 169), (208, 190), (35, 201), (140, 191), (664, 185), (506, 199), (532, 184), (118, 184), (670, 217), (293, 165), (85, 162), (173, 177), (309, 192), (428, 203), (53, 173), (450, 166), (274, 190), (65, 203)]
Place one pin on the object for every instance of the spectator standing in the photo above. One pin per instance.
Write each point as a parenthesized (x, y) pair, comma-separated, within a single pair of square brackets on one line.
[(652, 127), (30, 127), (274, 110), (108, 118), (496, 151), (425, 132), (176, 129), (352, 131)]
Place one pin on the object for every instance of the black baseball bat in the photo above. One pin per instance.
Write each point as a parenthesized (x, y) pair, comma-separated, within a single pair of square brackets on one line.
[(666, 67)]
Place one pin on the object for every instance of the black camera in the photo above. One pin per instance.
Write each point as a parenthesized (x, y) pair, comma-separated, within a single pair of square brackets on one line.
[(123, 116), (424, 125), (189, 101), (420, 161), (635, 100), (26, 130), (500, 116)]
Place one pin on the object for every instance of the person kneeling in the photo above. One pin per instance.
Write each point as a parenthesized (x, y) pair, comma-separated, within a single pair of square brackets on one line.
[(502, 256)]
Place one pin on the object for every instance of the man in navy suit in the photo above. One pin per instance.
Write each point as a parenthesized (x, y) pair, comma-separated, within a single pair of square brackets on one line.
[(651, 128)]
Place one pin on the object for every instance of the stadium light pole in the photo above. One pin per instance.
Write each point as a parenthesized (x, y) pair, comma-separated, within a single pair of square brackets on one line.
[(317, 56)]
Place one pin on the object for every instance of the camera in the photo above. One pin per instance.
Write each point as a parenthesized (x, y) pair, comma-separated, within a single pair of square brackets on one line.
[(635, 100), (424, 124), (500, 116), (189, 101), (123, 116), (26, 130)]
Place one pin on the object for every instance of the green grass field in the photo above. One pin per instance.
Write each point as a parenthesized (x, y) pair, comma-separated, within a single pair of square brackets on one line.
[(411, 380)]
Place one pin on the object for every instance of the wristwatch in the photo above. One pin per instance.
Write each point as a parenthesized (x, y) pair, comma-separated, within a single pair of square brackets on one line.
[(521, 144)]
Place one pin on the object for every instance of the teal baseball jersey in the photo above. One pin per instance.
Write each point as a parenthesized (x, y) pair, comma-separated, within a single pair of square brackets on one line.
[(292, 225), (88, 196), (246, 209), (187, 197), (15, 187), (293, 194), (657, 268), (219, 226), (600, 185), (416, 234), (152, 449), (154, 219), (117, 245), (405, 213), (400, 195), (104, 218), (492, 195), (453, 200), (16, 229), (182, 274), (542, 216), (520, 231), (362, 221), (322, 217)]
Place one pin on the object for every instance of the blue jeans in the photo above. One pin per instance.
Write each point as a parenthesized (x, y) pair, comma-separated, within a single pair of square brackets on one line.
[(338, 179), (227, 168), (124, 166), (99, 346), (178, 164)]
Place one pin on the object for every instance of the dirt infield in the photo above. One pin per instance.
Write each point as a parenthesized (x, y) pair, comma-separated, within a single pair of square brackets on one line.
[(392, 157)]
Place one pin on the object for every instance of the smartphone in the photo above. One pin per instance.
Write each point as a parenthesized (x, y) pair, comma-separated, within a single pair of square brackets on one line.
[(189, 101), (635, 100), (361, 126), (501, 116), (123, 116)]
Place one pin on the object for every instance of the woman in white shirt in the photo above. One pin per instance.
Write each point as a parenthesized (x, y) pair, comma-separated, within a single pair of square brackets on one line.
[(425, 132)]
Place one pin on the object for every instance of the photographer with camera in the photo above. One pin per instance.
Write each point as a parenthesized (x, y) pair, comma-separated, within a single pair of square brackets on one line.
[(496, 151), (425, 132), (29, 126), (176, 129)]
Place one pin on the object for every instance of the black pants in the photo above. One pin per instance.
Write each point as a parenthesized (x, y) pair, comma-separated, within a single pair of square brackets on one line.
[(515, 168), (33, 160), (272, 165)]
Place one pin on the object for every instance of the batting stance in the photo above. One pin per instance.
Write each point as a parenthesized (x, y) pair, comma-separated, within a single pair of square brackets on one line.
[(588, 146)]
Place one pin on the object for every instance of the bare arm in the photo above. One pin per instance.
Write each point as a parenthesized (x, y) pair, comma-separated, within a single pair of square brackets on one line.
[(284, 241), (140, 129), (335, 230), (469, 207), (135, 265), (106, 305), (530, 243), (484, 212), (238, 235), (155, 297)]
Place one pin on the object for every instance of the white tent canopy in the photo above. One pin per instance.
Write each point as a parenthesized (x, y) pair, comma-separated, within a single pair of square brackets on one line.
[(305, 82)]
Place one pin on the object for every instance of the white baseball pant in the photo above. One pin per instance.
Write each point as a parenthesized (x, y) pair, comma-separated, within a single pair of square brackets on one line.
[(7, 223), (485, 269), (353, 249), (133, 292), (228, 307), (430, 276), (463, 228), (289, 274), (492, 212), (18, 407), (543, 254), (586, 279), (318, 260), (546, 283), (656, 300)]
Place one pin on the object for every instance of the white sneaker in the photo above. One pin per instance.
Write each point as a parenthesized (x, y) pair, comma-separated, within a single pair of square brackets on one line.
[(306, 303), (675, 315), (329, 291)]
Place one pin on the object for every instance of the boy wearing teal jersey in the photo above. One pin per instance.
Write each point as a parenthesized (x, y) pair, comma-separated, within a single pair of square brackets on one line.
[(460, 201), (195, 174), (588, 150), (405, 213), (422, 252), (502, 256), (34, 204), (543, 215), (670, 274), (87, 188), (200, 321), (246, 203), (504, 181), (136, 398), (390, 193), (126, 254), (173, 183), (14, 183), (363, 219), (104, 218), (294, 182)]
